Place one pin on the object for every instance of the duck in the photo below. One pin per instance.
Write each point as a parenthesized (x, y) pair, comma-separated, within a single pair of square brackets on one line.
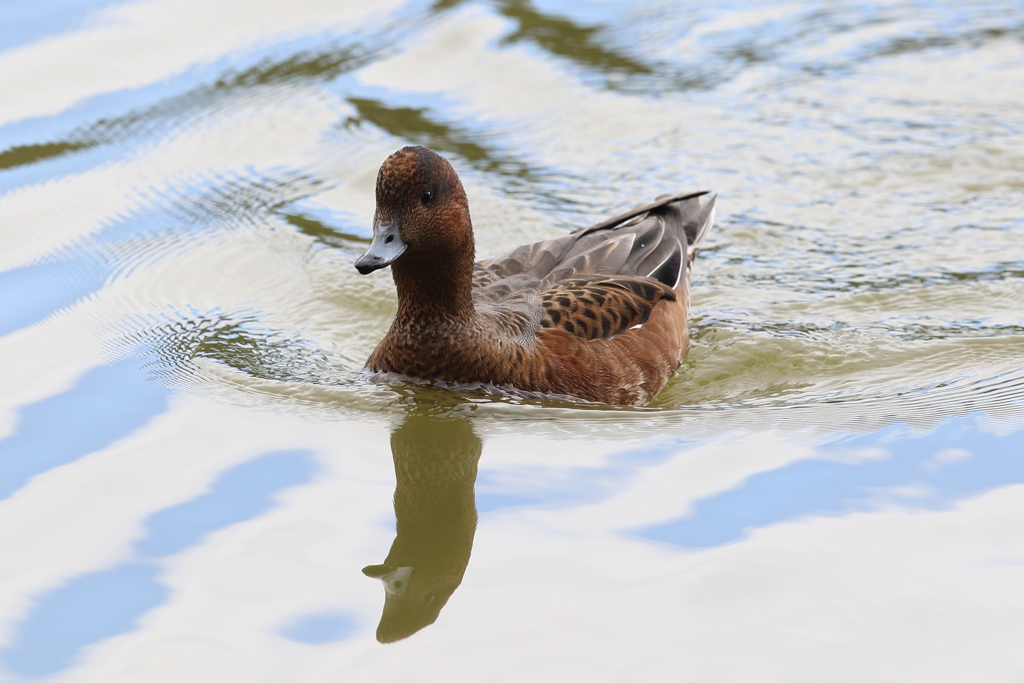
[(597, 315)]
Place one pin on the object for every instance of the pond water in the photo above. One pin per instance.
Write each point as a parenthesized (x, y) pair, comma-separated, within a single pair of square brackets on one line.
[(197, 484)]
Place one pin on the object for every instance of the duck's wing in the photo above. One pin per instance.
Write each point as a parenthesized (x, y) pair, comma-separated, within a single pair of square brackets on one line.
[(588, 307), (656, 240), (601, 307), (599, 281)]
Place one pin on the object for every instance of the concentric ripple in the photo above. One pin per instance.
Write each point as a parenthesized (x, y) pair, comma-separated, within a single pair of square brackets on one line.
[(867, 267)]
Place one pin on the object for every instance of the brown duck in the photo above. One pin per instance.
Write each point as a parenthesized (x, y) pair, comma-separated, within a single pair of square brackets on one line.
[(598, 314)]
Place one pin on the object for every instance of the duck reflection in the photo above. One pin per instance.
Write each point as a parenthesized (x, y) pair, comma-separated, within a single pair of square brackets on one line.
[(436, 465)]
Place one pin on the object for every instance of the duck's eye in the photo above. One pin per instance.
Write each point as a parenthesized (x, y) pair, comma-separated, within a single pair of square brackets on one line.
[(427, 196)]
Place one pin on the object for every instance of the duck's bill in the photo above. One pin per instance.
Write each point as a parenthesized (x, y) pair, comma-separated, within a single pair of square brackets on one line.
[(387, 245)]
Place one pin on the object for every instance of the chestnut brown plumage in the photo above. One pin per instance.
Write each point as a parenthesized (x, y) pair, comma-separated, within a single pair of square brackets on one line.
[(598, 314)]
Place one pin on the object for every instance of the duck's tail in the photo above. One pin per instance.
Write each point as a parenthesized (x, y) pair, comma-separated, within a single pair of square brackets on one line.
[(693, 212), (703, 222), (675, 225)]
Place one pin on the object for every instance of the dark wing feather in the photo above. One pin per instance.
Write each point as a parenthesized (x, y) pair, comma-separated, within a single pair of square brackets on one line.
[(601, 307)]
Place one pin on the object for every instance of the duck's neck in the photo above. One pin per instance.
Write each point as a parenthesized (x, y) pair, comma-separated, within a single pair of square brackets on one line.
[(434, 290)]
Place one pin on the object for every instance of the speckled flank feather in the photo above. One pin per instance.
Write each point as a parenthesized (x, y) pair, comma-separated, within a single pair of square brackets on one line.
[(599, 314)]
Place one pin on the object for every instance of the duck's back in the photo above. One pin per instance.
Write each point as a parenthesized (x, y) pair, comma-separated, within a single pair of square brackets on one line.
[(600, 313)]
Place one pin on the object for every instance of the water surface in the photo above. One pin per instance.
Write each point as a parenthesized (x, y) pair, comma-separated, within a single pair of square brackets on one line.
[(195, 480)]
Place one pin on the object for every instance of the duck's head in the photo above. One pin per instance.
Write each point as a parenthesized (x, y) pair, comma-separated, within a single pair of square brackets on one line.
[(422, 211)]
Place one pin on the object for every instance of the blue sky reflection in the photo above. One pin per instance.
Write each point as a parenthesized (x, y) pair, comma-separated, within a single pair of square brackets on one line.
[(85, 610), (103, 604), (108, 403), (318, 629), (243, 492), (934, 470)]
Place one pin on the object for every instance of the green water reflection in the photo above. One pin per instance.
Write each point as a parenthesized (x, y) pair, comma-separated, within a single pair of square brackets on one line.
[(436, 459)]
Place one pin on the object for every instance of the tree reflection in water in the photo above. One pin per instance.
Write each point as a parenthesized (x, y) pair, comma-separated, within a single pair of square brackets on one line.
[(436, 460)]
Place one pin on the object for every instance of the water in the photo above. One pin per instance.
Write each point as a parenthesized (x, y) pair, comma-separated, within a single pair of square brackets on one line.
[(193, 475)]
